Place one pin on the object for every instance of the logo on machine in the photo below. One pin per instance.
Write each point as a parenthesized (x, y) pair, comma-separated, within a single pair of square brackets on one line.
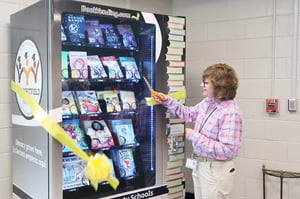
[(28, 74)]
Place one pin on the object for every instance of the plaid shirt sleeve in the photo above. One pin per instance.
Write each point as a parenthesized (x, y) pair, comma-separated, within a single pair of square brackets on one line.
[(188, 114)]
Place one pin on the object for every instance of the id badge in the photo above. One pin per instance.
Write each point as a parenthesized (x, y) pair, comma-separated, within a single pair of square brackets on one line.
[(191, 163)]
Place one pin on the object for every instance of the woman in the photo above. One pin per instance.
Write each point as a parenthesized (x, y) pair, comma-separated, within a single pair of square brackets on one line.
[(216, 137)]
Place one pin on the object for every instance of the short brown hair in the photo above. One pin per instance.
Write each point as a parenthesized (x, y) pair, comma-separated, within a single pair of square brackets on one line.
[(223, 79)]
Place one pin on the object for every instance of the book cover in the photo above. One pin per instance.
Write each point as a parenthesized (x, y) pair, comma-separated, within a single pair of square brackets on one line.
[(72, 128), (64, 64), (112, 39), (128, 100), (78, 64), (111, 99), (124, 130), (73, 173), (74, 26), (96, 68), (95, 35), (88, 102), (130, 66), (114, 70), (68, 104), (128, 37), (63, 34), (125, 162), (99, 133)]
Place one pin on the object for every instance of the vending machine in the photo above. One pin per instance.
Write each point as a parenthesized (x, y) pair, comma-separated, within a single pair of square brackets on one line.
[(87, 65)]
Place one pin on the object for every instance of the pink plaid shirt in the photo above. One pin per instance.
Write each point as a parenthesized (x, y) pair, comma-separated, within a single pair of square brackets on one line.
[(220, 126)]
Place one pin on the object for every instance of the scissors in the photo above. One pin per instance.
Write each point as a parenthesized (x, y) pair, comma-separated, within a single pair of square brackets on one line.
[(149, 86)]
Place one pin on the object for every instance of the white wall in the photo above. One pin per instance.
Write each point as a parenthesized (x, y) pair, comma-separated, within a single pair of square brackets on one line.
[(9, 7), (239, 32)]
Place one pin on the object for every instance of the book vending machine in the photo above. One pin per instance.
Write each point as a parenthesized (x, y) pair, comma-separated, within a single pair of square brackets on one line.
[(85, 65)]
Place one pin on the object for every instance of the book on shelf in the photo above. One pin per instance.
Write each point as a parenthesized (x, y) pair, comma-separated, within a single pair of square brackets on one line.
[(128, 100), (128, 37), (78, 64), (96, 68), (64, 64), (125, 162), (177, 44), (73, 173), (88, 102), (174, 70), (111, 99), (173, 164), (111, 37), (176, 19), (72, 128), (173, 76), (174, 51), (99, 133), (74, 27), (94, 33), (114, 70), (176, 37), (124, 130), (130, 66), (69, 107), (176, 63)]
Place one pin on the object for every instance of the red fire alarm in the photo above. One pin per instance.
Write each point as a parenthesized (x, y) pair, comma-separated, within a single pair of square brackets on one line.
[(272, 105)]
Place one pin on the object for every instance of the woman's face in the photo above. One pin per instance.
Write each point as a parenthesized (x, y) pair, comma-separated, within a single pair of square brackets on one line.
[(207, 87)]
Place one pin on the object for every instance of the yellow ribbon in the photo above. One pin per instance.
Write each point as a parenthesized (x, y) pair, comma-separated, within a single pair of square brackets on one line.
[(179, 95), (98, 168)]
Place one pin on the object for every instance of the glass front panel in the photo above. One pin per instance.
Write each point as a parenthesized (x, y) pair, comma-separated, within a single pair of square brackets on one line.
[(103, 96)]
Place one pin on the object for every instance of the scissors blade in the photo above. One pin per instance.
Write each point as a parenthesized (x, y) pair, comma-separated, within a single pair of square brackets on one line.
[(148, 84)]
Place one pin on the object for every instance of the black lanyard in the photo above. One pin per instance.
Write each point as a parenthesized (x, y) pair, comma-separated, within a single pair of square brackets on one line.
[(204, 121)]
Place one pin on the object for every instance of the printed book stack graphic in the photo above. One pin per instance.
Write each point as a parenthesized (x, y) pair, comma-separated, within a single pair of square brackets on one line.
[(175, 71)]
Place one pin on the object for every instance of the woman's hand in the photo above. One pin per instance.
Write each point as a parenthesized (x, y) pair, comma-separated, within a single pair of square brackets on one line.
[(188, 132), (158, 97)]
